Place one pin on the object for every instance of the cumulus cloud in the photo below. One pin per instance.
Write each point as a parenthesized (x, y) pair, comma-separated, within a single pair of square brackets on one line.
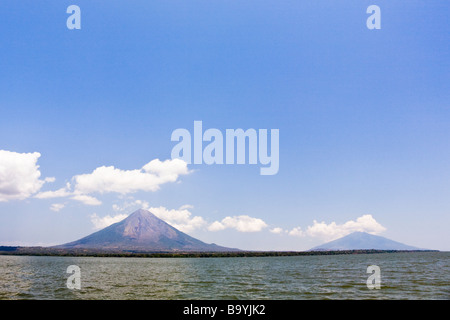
[(19, 175), (131, 205), (112, 180), (60, 193), (148, 178), (88, 200), (242, 223), (100, 223), (216, 226), (50, 179), (296, 232), (57, 206), (180, 219), (332, 231), (276, 230)]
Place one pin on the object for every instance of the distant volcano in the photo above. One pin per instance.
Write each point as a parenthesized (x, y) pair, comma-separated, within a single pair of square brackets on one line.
[(363, 240), (142, 231)]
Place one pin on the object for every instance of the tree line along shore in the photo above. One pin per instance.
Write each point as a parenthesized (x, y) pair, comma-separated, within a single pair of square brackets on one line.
[(81, 252)]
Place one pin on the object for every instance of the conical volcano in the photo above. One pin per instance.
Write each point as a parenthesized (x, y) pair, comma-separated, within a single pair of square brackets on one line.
[(363, 241), (142, 231)]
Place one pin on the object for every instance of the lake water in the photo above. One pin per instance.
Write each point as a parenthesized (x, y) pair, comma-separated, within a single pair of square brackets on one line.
[(403, 276)]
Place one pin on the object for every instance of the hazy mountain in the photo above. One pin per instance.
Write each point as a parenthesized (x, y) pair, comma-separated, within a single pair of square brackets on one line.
[(363, 240), (142, 231)]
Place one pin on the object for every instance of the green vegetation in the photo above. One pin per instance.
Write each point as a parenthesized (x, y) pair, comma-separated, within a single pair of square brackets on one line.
[(79, 252)]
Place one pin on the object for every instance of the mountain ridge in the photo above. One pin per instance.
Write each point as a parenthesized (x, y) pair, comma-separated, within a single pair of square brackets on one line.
[(363, 241), (142, 231)]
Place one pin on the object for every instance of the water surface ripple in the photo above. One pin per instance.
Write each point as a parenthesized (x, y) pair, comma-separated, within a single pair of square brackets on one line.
[(418, 275)]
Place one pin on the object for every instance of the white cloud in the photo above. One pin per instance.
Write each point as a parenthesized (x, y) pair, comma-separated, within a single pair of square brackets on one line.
[(19, 175), (180, 219), (66, 192), (148, 178), (296, 232), (109, 179), (129, 206), (332, 231), (216, 226), (88, 200), (100, 223), (60, 193), (240, 223), (276, 230), (57, 206)]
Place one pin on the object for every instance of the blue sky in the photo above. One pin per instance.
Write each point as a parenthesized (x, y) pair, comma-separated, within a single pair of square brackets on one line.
[(363, 116)]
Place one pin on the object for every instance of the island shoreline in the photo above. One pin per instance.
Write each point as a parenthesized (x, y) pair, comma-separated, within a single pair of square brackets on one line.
[(136, 253)]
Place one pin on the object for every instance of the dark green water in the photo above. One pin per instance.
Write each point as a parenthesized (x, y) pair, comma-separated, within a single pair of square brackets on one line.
[(403, 276)]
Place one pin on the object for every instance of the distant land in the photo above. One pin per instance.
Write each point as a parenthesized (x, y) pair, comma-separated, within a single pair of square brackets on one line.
[(51, 251), (142, 231), (363, 241), (142, 234)]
